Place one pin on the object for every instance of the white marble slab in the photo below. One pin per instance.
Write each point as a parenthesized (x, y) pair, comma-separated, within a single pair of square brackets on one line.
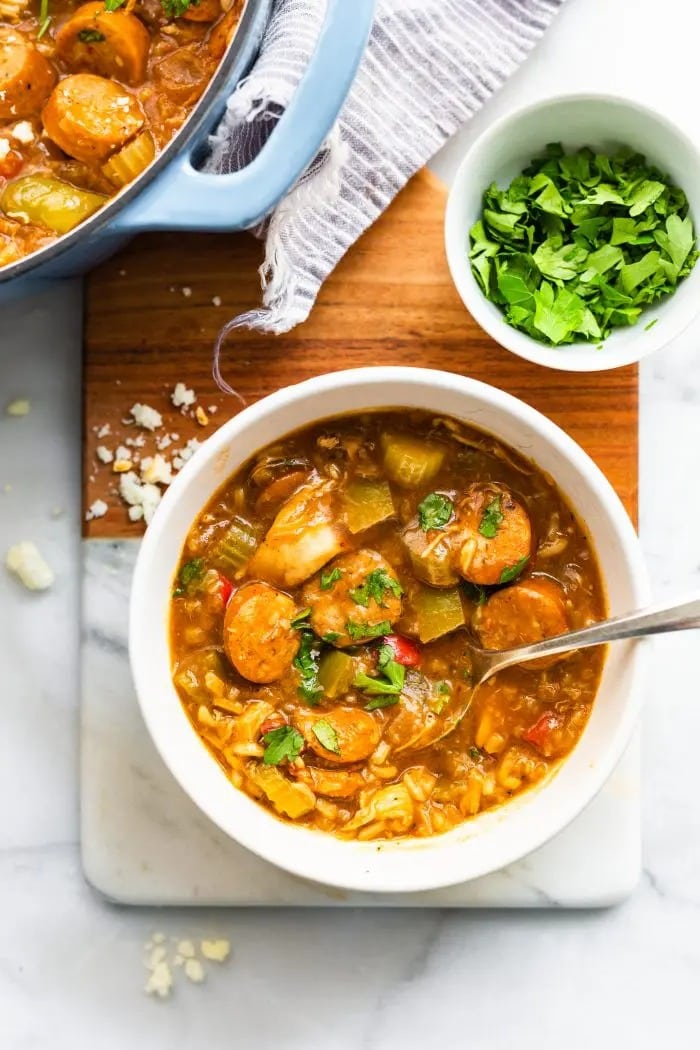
[(144, 842)]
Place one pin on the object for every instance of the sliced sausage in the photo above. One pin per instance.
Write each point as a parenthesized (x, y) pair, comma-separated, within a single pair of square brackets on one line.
[(109, 43), (303, 537), (258, 637), (359, 588), (524, 613), (26, 76), (90, 117), (491, 535), (356, 732), (333, 783)]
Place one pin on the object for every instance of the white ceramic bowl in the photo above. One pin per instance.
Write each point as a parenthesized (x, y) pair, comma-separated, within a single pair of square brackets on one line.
[(489, 841), (506, 148)]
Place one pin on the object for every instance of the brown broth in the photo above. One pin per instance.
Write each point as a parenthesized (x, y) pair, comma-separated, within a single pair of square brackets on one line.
[(521, 723)]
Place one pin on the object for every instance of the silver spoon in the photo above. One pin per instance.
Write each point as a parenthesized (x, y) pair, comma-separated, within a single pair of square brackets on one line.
[(488, 662)]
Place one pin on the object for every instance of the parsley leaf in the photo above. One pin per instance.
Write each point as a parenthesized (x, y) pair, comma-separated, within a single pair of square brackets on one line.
[(475, 592), (381, 701), (360, 632), (189, 575), (393, 676), (282, 744), (435, 511), (326, 735), (177, 8), (91, 36), (374, 588), (114, 5), (491, 519), (331, 636), (306, 663), (300, 620), (511, 572), (329, 578), (581, 243)]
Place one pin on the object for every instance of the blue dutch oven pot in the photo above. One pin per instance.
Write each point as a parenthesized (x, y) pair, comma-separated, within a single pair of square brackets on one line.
[(172, 195)]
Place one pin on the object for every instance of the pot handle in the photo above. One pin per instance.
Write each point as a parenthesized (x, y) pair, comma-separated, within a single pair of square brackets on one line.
[(182, 198)]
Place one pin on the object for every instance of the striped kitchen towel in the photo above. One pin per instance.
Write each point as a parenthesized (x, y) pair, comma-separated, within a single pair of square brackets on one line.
[(429, 65)]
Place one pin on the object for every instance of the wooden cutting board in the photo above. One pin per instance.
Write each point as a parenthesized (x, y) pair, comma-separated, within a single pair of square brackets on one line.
[(152, 314), (151, 320)]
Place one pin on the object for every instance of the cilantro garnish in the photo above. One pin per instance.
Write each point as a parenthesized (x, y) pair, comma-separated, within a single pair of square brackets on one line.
[(475, 592), (376, 584), (189, 575), (513, 571), (435, 511), (300, 620), (580, 243), (388, 684), (283, 744), (91, 36), (360, 632), (326, 735), (306, 663), (176, 8), (329, 578), (491, 519)]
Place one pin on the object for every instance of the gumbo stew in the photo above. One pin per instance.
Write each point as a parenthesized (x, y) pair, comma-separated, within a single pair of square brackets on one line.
[(89, 94), (321, 613)]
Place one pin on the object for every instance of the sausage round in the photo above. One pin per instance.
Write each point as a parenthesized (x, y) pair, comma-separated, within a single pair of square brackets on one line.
[(90, 117), (346, 597), (258, 637), (26, 76), (527, 612), (110, 43), (491, 534), (356, 731)]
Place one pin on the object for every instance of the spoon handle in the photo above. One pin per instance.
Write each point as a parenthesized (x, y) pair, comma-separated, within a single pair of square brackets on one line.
[(656, 620)]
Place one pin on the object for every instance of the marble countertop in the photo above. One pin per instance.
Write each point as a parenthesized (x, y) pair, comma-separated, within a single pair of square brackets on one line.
[(70, 965)]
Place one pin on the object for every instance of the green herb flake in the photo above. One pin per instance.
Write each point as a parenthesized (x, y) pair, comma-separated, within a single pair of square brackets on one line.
[(382, 701), (44, 18), (475, 593), (329, 578), (360, 632), (176, 8), (282, 745), (189, 576), (435, 511), (376, 584), (91, 36), (511, 572), (582, 243), (331, 636), (474, 753), (326, 735), (648, 327), (306, 663), (491, 519), (300, 621), (114, 5)]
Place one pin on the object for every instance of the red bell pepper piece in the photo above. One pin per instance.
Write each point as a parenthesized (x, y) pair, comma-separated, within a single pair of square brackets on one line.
[(225, 588), (538, 733), (406, 652)]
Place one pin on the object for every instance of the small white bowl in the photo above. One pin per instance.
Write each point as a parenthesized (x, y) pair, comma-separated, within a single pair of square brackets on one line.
[(505, 150), (491, 840)]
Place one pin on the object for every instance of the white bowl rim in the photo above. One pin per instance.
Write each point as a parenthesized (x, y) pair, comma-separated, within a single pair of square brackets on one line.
[(512, 339), (297, 862)]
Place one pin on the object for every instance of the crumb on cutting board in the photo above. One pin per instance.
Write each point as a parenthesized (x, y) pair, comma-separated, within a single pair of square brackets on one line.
[(25, 561)]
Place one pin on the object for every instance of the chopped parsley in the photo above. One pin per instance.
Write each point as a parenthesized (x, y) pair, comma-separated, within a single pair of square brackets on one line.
[(306, 663), (329, 578), (177, 8), (375, 587), (511, 572), (382, 701), (491, 519), (441, 698), (330, 637), (91, 36), (435, 511), (282, 745), (360, 632), (300, 620), (474, 753), (391, 681), (114, 5), (326, 735), (581, 243), (475, 592), (189, 575)]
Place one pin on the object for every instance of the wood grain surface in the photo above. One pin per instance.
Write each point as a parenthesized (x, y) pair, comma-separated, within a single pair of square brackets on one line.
[(152, 316)]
